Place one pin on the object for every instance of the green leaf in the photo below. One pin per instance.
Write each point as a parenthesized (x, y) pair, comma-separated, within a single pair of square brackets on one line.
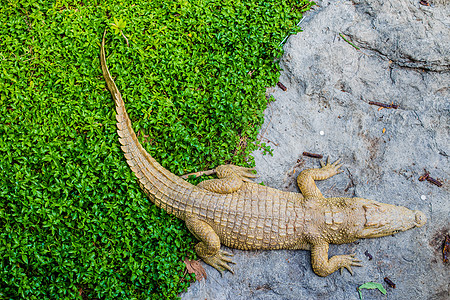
[(121, 24), (371, 286), (118, 25)]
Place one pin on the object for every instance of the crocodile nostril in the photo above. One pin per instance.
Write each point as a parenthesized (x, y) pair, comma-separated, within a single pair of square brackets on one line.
[(421, 219)]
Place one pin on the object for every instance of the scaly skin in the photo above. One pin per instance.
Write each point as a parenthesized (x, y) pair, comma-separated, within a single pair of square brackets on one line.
[(235, 212)]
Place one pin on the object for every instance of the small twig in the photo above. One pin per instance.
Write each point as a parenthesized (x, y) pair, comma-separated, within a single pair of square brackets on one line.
[(332, 187), (198, 174), (126, 40), (428, 178), (446, 249), (281, 86), (34, 57), (351, 183), (384, 105), (369, 256), (434, 181), (388, 281), (300, 162), (351, 44), (269, 141), (27, 21), (313, 155), (424, 177), (267, 127), (287, 36)]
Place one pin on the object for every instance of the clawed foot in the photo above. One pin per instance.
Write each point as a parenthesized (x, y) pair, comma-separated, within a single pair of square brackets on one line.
[(220, 261), (243, 173), (332, 168), (347, 261)]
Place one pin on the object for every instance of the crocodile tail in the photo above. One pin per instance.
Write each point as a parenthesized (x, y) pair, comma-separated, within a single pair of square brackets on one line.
[(164, 188)]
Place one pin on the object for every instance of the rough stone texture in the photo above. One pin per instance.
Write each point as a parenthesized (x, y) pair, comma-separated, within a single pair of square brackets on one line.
[(404, 58)]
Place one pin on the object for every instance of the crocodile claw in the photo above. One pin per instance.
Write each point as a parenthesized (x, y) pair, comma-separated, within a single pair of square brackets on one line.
[(246, 173), (220, 261), (334, 167), (243, 173), (348, 262)]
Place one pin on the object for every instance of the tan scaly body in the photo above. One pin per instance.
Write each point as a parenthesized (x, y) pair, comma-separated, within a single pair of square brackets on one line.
[(240, 214)]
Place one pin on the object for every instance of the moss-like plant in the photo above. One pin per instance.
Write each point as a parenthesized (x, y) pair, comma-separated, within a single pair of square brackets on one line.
[(74, 223)]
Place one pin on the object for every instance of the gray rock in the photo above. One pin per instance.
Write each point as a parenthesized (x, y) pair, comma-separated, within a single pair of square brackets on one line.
[(403, 58)]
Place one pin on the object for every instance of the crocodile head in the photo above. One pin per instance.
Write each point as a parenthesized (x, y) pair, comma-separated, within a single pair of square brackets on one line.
[(381, 219)]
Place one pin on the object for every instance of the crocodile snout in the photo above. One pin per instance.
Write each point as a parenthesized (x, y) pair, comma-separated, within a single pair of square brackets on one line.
[(420, 217)]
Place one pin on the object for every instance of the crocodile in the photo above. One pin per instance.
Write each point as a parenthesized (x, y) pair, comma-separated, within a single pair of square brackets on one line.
[(238, 213)]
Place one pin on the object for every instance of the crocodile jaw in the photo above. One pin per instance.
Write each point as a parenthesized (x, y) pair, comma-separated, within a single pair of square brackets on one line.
[(383, 219)]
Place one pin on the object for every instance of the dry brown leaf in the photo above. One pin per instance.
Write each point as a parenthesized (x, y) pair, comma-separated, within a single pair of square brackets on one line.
[(194, 266)]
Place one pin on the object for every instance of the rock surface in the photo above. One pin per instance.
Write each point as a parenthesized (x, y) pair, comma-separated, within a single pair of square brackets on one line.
[(403, 57)]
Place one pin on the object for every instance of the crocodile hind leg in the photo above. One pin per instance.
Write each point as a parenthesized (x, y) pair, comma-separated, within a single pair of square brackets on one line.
[(231, 178), (324, 266), (306, 178), (208, 249)]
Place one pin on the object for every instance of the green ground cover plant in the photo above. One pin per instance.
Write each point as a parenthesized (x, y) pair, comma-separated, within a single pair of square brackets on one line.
[(73, 221)]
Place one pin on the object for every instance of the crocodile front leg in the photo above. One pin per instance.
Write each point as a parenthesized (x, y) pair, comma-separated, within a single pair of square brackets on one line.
[(305, 180), (323, 266), (208, 249), (230, 179)]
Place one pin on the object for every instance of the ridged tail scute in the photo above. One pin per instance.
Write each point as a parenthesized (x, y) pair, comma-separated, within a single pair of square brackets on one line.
[(163, 188)]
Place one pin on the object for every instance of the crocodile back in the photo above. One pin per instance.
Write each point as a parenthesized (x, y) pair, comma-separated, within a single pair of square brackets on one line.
[(257, 217)]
